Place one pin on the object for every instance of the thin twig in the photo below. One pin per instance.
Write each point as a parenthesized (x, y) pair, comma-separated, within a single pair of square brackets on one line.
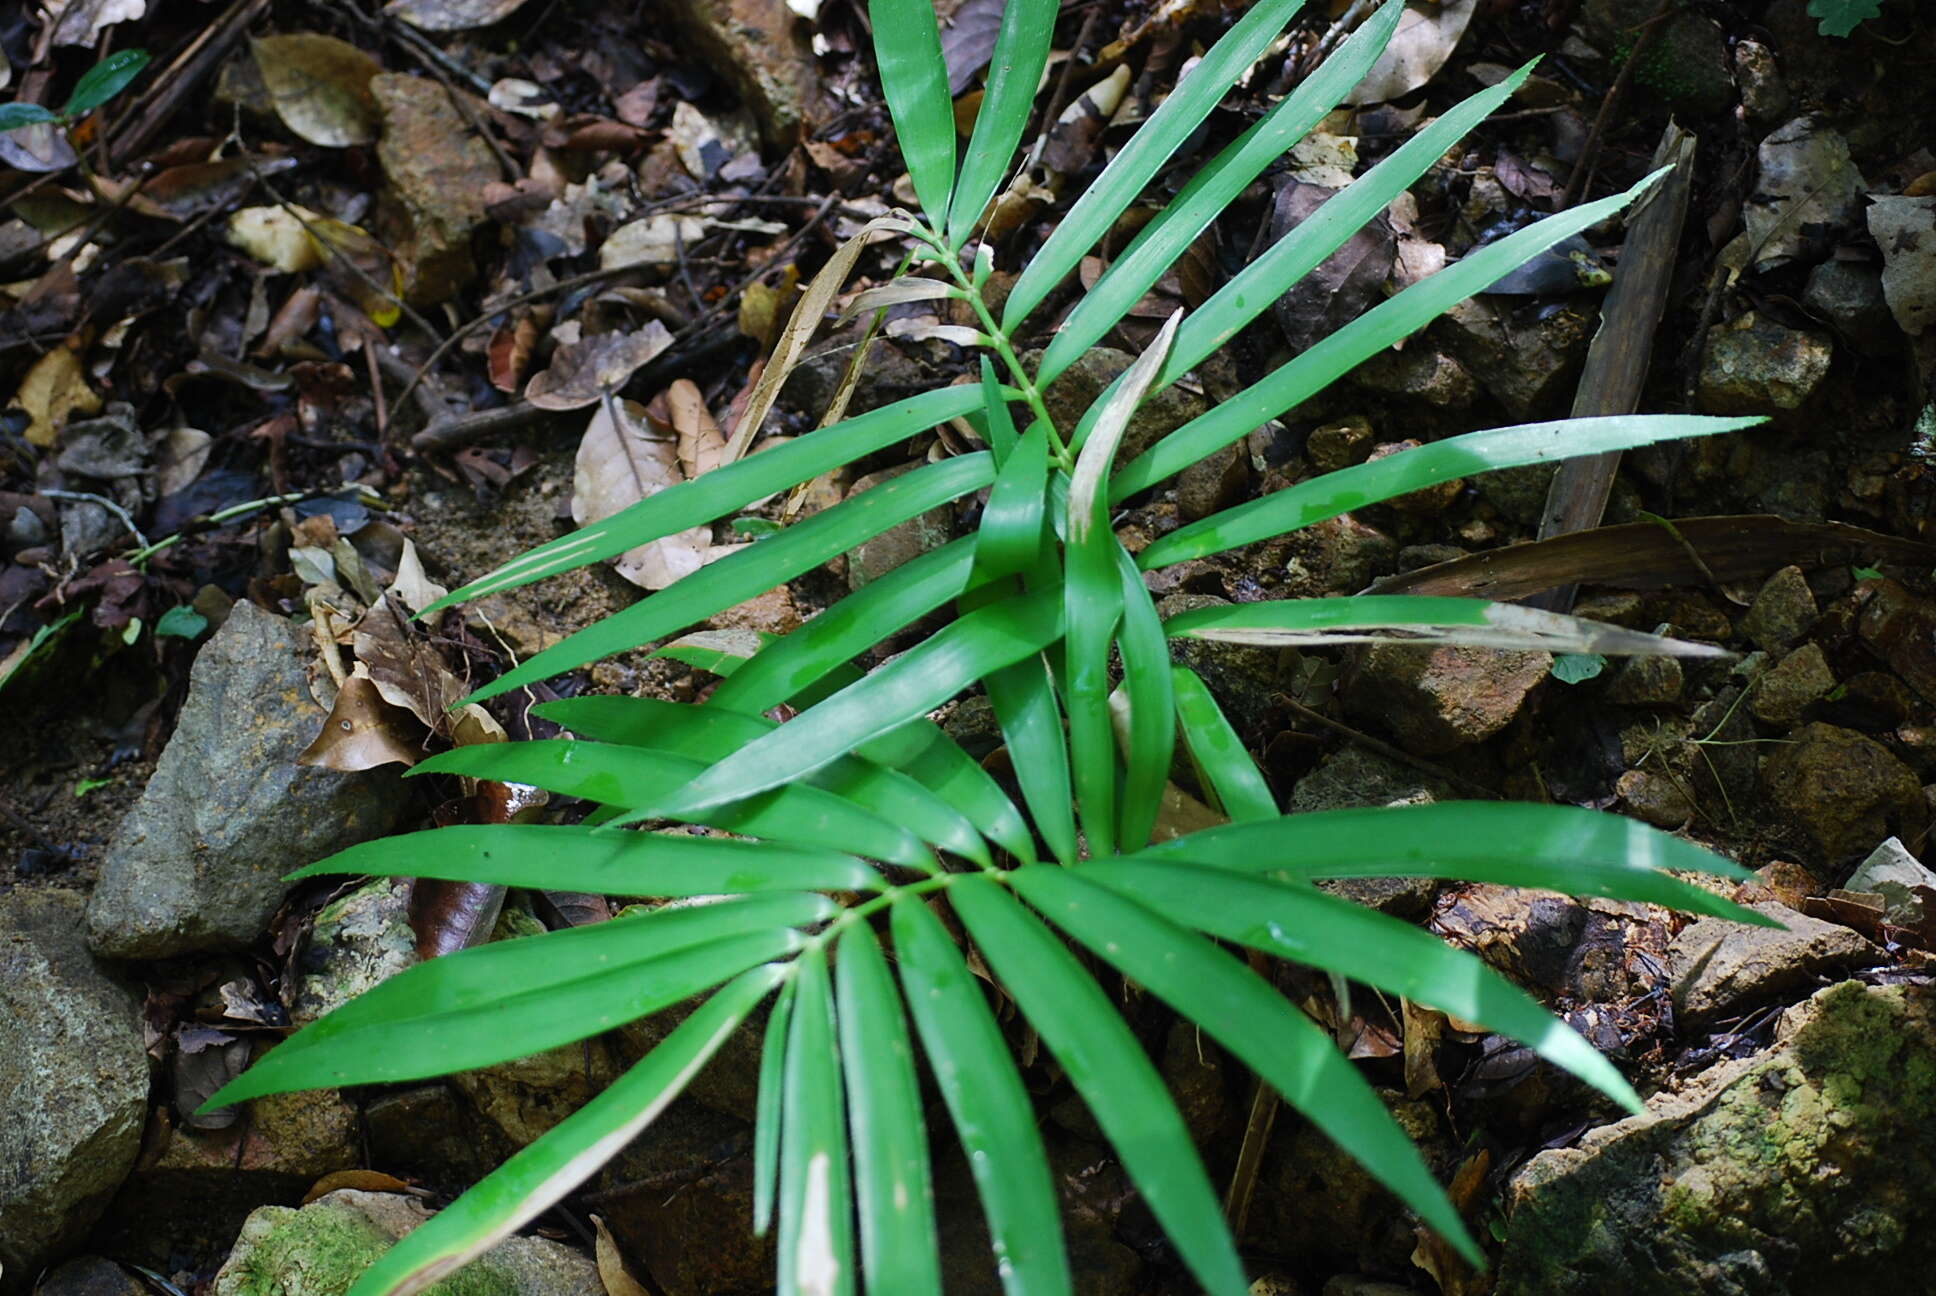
[(89, 497)]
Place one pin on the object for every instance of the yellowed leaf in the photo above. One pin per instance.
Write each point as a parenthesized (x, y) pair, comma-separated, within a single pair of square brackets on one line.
[(53, 390), (611, 1265), (700, 444), (320, 87), (275, 236)]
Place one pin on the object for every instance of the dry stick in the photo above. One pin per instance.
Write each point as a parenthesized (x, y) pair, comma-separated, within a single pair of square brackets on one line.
[(182, 76), (1616, 362)]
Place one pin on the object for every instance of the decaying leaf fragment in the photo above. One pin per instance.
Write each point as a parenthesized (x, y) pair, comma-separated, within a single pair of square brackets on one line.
[(320, 87), (621, 460), (582, 372)]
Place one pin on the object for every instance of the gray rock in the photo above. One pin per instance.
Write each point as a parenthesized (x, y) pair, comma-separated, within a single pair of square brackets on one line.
[(1894, 874), (1658, 800), (1764, 95), (903, 542), (198, 863), (429, 1132), (887, 375), (322, 1248), (356, 941), (1686, 63), (1795, 683), (1756, 366), (1528, 362), (1214, 482), (1077, 387), (1847, 296), (1722, 968), (1244, 678), (74, 1071), (1438, 699), (680, 1198), (1646, 681), (1419, 372), (1782, 612), (1355, 777), (90, 1276), (1339, 555), (1803, 1169), (1842, 793)]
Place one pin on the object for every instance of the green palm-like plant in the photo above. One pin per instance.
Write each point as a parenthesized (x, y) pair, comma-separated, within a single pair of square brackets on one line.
[(850, 821)]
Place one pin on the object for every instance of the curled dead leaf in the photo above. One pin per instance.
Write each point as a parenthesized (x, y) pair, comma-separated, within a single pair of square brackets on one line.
[(451, 15), (364, 731)]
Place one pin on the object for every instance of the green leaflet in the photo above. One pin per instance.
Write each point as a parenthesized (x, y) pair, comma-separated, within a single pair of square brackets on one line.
[(1554, 848), (540, 1176), (1409, 470), (1025, 706), (1223, 767), (512, 998), (907, 49), (1136, 164), (1021, 52), (1109, 1068), (630, 777), (766, 1110), (1302, 923), (1152, 707), (722, 491), (816, 1194), (899, 1249), (756, 568), (1158, 244), (909, 686), (570, 858), (991, 1111), (1243, 1013)]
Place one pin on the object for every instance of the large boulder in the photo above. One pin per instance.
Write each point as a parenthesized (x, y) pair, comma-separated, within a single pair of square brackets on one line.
[(1803, 1169), (75, 1074), (198, 863)]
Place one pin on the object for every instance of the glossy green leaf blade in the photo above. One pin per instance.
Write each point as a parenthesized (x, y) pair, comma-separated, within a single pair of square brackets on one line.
[(710, 734), (104, 80), (1556, 848), (632, 777), (564, 857), (1356, 342), (1147, 150), (14, 116), (816, 1191), (756, 568), (991, 1111), (1222, 764), (1157, 246), (1281, 265), (1010, 536), (398, 1038), (540, 1175), (892, 1186), (1411, 618), (1299, 922), (1440, 461), (1025, 706), (1242, 1012), (767, 1116), (1085, 1032), (1093, 599), (1152, 707), (921, 750), (998, 423), (910, 685), (914, 78), (1014, 75), (723, 490), (882, 607)]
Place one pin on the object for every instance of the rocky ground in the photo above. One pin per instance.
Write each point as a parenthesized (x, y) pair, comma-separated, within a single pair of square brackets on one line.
[(611, 174)]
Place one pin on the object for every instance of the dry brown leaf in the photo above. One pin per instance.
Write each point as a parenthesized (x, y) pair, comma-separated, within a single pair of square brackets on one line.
[(801, 326), (611, 1265), (320, 87), (361, 1180), (406, 670), (1425, 39), (700, 442), (53, 390), (1423, 1029), (582, 372), (81, 22), (620, 462), (364, 731)]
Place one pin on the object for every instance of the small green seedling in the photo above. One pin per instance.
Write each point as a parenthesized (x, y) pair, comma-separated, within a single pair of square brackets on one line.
[(103, 81)]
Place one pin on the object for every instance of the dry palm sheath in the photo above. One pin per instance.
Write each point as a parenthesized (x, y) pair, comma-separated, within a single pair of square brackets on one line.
[(861, 797)]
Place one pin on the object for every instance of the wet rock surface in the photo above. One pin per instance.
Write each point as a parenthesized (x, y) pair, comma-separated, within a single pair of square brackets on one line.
[(1796, 1170), (198, 863), (1724, 968), (75, 1075)]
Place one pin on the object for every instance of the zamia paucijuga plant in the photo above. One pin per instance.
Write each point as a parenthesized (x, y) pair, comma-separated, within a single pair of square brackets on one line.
[(847, 827)]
